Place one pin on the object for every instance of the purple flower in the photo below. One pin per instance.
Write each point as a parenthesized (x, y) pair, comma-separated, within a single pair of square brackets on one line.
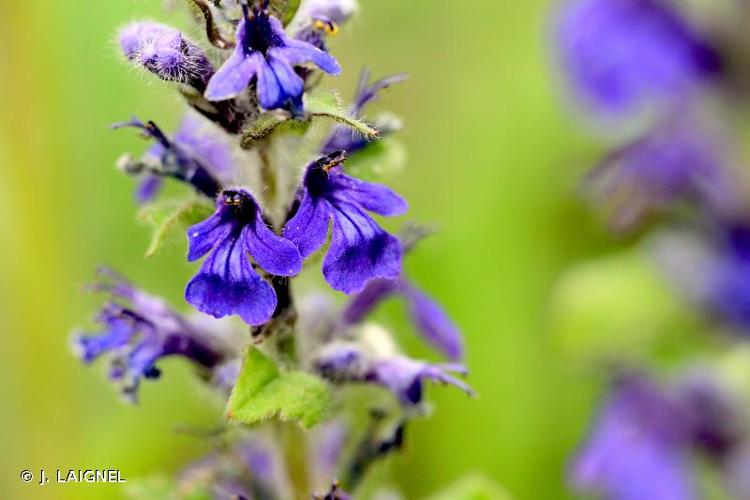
[(227, 283), (404, 377), (191, 156), (266, 466), (265, 53), (328, 443), (338, 11), (360, 250), (148, 188), (622, 54), (140, 329), (164, 51), (714, 422), (711, 269), (343, 138), (670, 164), (318, 19), (725, 276), (427, 315), (225, 375), (253, 468), (638, 448)]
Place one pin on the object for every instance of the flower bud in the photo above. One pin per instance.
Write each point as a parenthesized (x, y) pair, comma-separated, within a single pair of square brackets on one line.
[(163, 51)]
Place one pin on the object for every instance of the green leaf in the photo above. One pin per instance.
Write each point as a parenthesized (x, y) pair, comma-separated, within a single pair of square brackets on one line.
[(472, 487), (327, 105), (284, 10), (173, 217), (263, 392)]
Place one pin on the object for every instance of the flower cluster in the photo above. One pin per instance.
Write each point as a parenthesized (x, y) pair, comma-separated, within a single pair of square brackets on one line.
[(659, 76), (648, 431), (268, 194)]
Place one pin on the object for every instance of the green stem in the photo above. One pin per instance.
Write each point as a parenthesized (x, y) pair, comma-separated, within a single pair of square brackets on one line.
[(295, 455)]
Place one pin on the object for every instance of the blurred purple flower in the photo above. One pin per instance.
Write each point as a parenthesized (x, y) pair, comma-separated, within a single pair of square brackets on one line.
[(670, 164), (338, 11), (227, 283), (327, 447), (711, 268), (266, 53), (317, 19), (404, 377), (140, 329), (195, 154), (268, 473), (726, 276), (225, 375), (622, 54), (427, 315), (638, 448), (360, 249), (148, 188), (165, 52), (713, 418), (192, 156)]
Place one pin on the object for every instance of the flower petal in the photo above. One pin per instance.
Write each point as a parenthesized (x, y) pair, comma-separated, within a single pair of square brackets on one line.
[(148, 188), (272, 252), (227, 284), (234, 75), (90, 347), (269, 89), (309, 226), (433, 323), (142, 360), (360, 250), (203, 236), (366, 301), (299, 52), (202, 139), (369, 195), (405, 377), (290, 82)]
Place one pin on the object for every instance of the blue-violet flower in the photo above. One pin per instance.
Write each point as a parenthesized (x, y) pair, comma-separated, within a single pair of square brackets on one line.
[(266, 53), (140, 329), (190, 157), (427, 315), (638, 448), (227, 283), (622, 54), (193, 149), (671, 163), (360, 249), (404, 377)]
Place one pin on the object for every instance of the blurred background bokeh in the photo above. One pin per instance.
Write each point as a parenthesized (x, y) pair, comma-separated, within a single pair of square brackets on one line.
[(494, 160)]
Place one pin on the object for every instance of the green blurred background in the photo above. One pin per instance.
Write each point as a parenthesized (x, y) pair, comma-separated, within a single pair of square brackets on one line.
[(494, 161)]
